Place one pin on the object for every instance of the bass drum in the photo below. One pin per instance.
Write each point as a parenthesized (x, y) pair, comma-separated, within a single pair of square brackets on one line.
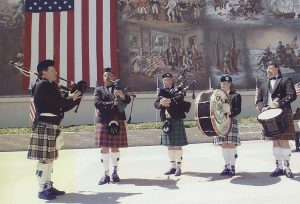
[(209, 114)]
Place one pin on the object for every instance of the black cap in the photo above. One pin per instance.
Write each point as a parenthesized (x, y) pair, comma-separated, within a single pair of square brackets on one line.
[(43, 65), (108, 69), (166, 75), (226, 78)]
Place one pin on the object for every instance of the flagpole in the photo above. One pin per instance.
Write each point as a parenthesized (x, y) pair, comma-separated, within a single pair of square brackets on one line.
[(156, 114), (209, 83)]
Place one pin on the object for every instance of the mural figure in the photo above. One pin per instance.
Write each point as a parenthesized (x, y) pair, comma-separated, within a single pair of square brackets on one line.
[(172, 57), (142, 9), (171, 5), (155, 5)]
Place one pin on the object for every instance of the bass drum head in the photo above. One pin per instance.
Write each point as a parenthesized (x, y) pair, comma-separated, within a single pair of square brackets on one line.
[(221, 122)]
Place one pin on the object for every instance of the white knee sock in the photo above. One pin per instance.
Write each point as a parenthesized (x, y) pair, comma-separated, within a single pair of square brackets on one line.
[(278, 156), (286, 153), (178, 157), (225, 152), (171, 153), (115, 158), (42, 173), (50, 171), (232, 155), (105, 161)]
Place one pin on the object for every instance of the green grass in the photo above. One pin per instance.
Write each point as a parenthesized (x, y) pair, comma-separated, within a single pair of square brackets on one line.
[(91, 128)]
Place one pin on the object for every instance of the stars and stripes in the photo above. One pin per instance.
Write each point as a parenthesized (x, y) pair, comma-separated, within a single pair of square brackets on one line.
[(79, 35), (159, 85), (256, 91), (297, 88), (32, 110)]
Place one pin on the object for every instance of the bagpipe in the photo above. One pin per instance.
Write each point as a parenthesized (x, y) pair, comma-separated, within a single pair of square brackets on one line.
[(178, 87), (65, 90), (119, 85)]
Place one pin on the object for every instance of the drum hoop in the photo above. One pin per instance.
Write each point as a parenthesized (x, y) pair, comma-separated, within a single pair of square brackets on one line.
[(212, 114)]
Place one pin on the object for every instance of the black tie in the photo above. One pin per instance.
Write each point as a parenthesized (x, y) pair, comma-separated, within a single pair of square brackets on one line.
[(273, 78)]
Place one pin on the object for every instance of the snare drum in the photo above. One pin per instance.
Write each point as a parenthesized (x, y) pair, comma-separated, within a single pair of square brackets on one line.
[(273, 122), (209, 114)]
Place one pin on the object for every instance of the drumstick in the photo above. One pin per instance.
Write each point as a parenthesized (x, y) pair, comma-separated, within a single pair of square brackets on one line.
[(269, 106)]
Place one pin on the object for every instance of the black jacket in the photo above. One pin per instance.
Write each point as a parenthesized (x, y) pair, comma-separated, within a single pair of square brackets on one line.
[(236, 102), (176, 109), (107, 112), (48, 99), (283, 89)]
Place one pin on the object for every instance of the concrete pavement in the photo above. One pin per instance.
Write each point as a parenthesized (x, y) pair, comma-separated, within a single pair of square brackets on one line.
[(142, 180)]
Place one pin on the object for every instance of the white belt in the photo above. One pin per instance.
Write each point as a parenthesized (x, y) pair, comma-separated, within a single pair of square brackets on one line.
[(48, 114)]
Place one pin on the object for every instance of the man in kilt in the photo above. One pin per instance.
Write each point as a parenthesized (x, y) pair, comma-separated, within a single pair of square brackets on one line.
[(110, 102), (279, 92), (232, 140), (50, 106), (172, 114)]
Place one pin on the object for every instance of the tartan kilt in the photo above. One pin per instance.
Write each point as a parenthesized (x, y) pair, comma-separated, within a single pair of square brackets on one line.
[(43, 141), (289, 133), (232, 137), (177, 135), (104, 139)]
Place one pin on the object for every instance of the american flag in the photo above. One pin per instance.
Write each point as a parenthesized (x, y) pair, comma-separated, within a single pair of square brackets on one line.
[(256, 91), (32, 110), (297, 88), (79, 35), (159, 85)]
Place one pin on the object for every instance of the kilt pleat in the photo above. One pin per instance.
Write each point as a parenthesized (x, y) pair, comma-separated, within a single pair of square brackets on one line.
[(43, 141), (232, 137), (177, 135), (104, 139)]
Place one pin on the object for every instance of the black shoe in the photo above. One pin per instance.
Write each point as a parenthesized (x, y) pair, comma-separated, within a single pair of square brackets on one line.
[(277, 172), (177, 172), (288, 173), (225, 172), (105, 179), (56, 192), (170, 171), (231, 172), (46, 195), (114, 177)]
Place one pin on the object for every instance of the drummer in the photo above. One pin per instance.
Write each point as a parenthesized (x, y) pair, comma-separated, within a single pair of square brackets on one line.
[(279, 92), (232, 140)]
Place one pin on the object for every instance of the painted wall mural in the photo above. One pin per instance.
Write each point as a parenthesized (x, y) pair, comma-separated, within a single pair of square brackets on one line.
[(208, 39)]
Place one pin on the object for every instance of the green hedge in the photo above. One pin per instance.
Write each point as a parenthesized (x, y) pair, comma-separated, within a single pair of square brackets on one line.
[(91, 128)]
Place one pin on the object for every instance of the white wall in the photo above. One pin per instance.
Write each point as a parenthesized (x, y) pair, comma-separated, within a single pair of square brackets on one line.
[(14, 111)]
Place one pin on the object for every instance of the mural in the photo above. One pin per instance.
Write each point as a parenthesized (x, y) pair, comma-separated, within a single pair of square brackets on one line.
[(11, 29), (207, 39), (204, 38)]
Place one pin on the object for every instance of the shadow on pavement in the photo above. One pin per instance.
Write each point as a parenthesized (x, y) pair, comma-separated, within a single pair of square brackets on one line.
[(88, 197), (169, 184), (255, 179), (208, 176), (297, 177)]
